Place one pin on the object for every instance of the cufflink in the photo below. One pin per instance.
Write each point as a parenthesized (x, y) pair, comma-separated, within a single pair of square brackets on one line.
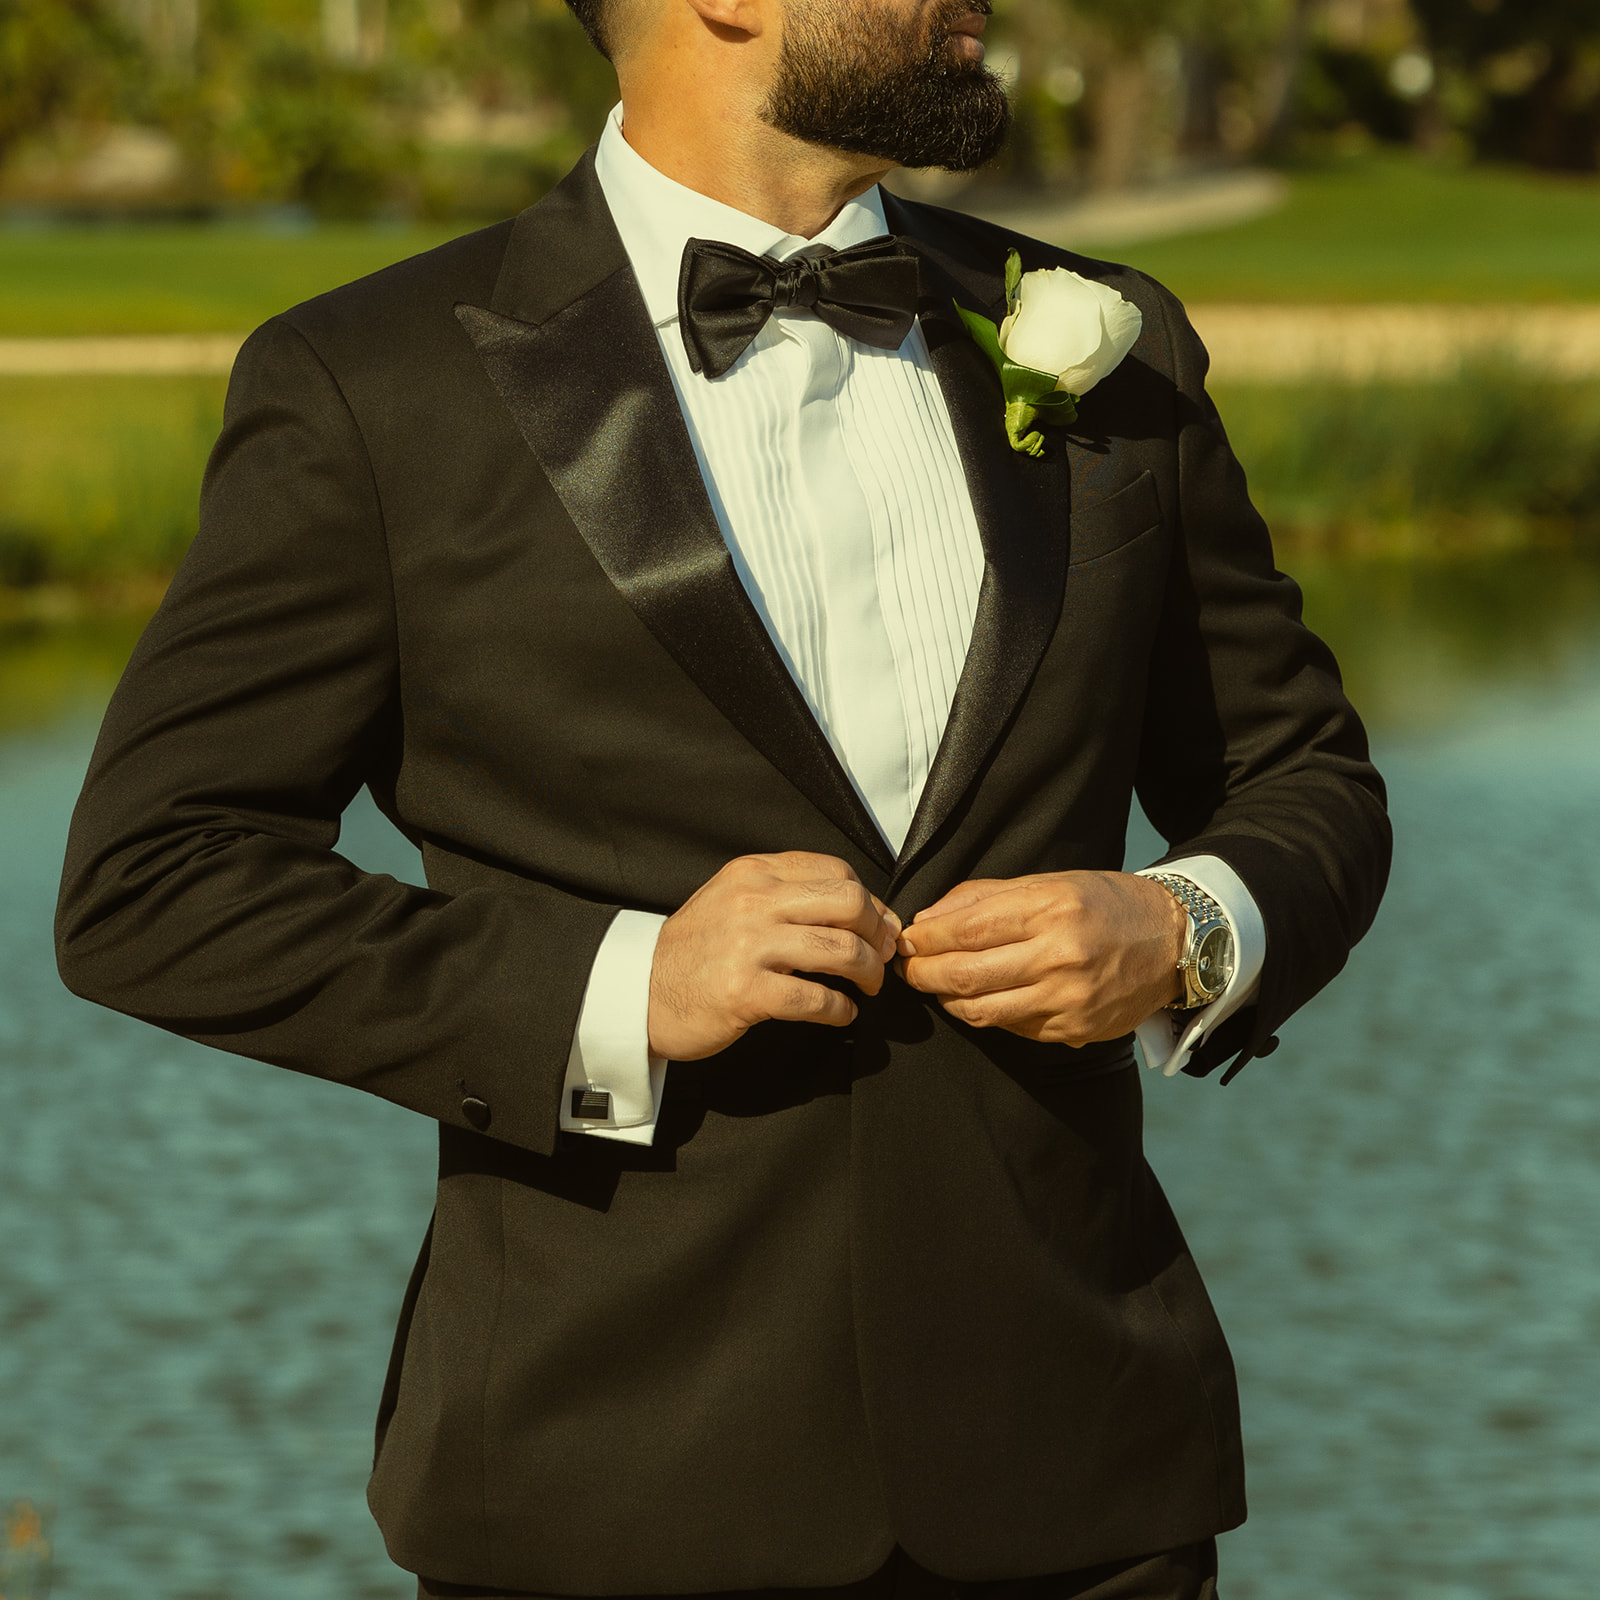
[(591, 1105)]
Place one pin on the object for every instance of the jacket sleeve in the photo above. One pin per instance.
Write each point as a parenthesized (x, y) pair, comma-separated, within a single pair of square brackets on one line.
[(202, 890), (1250, 750)]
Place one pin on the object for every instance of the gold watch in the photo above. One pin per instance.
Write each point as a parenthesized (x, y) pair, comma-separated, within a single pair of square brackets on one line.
[(1208, 954)]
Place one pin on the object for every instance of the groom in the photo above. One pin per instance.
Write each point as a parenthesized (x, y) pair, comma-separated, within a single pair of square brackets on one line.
[(769, 728)]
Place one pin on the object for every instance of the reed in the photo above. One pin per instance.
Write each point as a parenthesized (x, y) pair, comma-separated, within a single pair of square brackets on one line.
[(99, 477), (1492, 459)]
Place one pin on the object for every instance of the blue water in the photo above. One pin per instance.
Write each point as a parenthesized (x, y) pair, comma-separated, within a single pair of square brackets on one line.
[(1398, 1214), (200, 1263)]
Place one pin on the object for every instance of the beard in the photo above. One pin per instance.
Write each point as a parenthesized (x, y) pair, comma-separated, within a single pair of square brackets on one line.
[(856, 77)]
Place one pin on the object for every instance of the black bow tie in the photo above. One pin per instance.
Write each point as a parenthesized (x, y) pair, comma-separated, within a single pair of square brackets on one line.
[(725, 295)]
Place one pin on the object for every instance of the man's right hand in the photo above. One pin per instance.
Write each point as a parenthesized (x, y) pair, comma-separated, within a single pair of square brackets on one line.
[(728, 958)]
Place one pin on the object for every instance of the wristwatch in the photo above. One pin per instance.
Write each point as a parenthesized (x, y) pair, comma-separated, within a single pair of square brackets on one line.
[(1208, 956)]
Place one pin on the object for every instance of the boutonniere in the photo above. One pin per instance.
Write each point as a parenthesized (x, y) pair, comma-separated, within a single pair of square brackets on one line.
[(1062, 334)]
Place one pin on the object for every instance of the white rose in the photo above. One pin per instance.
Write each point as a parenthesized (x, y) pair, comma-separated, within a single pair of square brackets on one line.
[(1069, 325)]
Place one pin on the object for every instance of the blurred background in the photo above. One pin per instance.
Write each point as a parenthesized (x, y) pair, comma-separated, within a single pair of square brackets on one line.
[(1385, 218)]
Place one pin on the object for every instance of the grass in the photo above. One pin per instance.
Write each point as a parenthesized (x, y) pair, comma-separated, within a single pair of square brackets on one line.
[(1389, 228), (174, 279), (1446, 534), (1380, 228), (1489, 460), (99, 476)]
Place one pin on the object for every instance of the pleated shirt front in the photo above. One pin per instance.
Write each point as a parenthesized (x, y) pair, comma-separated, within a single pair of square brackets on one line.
[(833, 471)]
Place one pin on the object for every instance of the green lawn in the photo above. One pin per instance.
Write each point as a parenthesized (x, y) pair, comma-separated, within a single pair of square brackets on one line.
[(1377, 229), (1393, 229), (181, 279)]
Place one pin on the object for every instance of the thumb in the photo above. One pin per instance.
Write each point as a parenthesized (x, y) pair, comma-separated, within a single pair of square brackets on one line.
[(961, 897)]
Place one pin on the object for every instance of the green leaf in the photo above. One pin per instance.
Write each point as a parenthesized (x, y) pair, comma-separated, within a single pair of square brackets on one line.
[(1013, 280), (987, 335), (1026, 383), (1058, 408)]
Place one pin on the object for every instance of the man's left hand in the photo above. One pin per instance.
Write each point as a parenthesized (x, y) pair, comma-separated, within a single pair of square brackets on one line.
[(1061, 957)]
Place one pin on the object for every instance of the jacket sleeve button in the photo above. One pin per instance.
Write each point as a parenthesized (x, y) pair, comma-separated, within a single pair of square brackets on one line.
[(476, 1112)]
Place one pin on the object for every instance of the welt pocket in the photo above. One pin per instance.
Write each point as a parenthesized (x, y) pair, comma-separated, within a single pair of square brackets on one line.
[(1102, 526)]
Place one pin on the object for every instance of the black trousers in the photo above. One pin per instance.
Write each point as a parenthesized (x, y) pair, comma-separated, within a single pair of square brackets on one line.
[(1186, 1574)]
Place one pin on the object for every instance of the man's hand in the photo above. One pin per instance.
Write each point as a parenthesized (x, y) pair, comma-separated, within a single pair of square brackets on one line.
[(1062, 957), (728, 958)]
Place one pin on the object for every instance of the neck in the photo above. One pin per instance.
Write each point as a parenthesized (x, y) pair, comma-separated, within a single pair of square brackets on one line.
[(715, 142)]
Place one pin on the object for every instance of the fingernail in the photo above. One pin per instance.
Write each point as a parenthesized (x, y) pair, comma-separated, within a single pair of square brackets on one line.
[(906, 946)]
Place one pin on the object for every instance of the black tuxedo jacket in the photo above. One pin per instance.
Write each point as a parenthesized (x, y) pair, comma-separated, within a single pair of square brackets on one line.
[(910, 1281)]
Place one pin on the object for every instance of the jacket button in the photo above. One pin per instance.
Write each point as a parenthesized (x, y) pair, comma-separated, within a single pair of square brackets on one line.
[(1267, 1045), (476, 1112)]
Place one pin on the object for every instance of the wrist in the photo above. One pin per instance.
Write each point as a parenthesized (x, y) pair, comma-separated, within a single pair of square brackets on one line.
[(1164, 937), (1177, 944), (1176, 923)]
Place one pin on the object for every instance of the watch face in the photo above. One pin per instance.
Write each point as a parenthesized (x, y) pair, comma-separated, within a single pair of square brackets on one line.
[(1213, 965)]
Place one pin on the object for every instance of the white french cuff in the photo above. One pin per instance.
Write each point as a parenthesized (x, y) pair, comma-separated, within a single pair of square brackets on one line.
[(611, 1048), (1169, 1038)]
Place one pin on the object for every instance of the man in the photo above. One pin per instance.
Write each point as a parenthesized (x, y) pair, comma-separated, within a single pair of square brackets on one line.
[(759, 710)]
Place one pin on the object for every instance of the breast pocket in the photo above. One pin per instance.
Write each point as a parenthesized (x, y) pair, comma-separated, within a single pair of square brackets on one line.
[(1101, 526)]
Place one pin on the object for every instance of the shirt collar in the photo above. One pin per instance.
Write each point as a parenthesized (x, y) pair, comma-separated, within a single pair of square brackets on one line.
[(656, 217)]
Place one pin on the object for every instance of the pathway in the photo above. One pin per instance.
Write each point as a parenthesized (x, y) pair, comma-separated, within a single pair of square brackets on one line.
[(1248, 343)]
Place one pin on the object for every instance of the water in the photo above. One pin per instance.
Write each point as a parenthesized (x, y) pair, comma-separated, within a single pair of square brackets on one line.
[(1398, 1214)]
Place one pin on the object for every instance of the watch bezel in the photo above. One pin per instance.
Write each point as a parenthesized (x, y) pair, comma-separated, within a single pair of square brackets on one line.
[(1202, 937)]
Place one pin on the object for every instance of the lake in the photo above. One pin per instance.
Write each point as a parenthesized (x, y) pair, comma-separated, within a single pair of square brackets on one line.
[(1398, 1214)]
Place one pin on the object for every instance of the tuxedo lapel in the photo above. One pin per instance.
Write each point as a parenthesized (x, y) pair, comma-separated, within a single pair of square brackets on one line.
[(570, 348), (1022, 505)]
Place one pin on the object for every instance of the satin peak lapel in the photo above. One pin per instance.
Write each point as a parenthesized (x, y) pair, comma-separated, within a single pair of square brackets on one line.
[(568, 344), (1023, 507)]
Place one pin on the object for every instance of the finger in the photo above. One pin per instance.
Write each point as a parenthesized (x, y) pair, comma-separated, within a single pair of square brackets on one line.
[(834, 951), (970, 973), (842, 903), (1022, 1010), (890, 919), (1006, 917), (786, 998), (964, 895), (802, 865)]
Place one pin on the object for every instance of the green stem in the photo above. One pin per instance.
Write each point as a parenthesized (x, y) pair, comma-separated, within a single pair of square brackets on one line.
[(1019, 417)]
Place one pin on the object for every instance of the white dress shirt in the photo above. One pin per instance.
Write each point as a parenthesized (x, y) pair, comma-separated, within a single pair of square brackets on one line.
[(834, 474)]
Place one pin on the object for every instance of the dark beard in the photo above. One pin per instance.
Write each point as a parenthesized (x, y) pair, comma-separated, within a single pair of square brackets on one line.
[(851, 77)]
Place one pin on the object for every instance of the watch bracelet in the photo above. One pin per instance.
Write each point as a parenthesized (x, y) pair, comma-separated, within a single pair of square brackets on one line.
[(1200, 907), (1190, 896)]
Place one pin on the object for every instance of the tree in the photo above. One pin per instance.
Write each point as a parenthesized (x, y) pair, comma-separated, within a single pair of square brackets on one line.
[(1167, 78), (1527, 74), (58, 58)]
